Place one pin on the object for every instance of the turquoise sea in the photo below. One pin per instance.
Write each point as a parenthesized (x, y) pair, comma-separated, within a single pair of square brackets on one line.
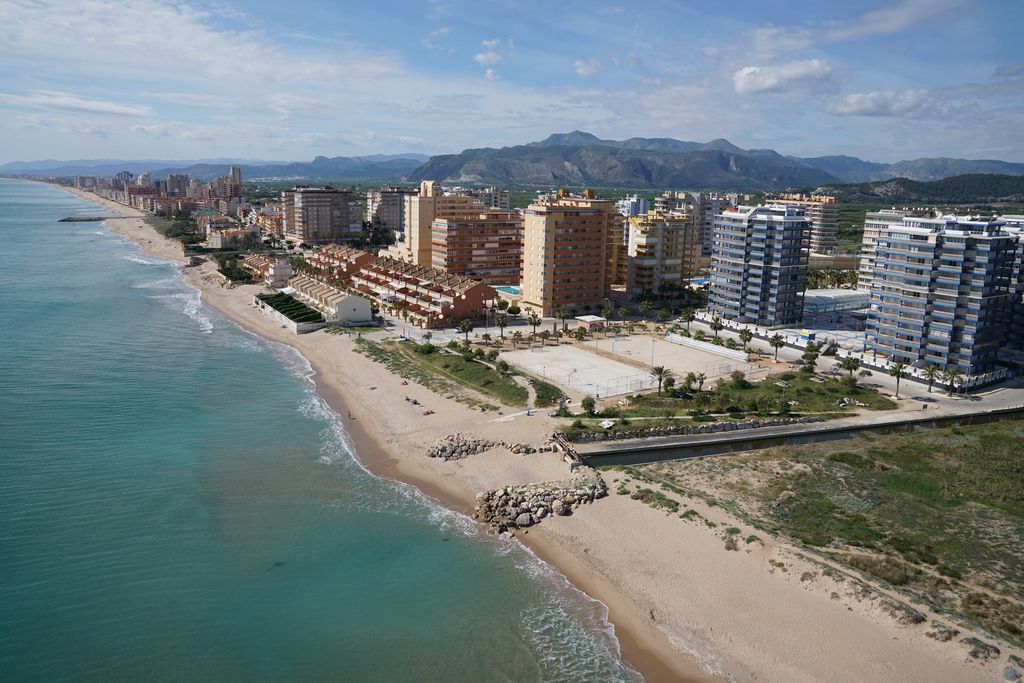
[(177, 504)]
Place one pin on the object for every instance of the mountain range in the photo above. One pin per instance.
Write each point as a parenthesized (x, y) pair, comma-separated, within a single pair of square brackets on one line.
[(580, 158), (374, 166), (564, 159)]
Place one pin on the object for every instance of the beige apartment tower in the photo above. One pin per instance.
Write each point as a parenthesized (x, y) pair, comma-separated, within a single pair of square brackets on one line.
[(421, 210), (320, 215), (822, 212), (565, 246), (664, 251)]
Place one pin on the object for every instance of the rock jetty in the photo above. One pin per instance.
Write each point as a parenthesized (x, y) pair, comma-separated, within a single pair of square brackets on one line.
[(522, 506), (459, 446)]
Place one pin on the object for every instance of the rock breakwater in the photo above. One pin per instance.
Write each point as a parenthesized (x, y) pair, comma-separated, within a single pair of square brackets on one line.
[(522, 506)]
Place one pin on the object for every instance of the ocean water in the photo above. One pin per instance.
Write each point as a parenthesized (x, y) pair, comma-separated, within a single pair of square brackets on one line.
[(177, 504)]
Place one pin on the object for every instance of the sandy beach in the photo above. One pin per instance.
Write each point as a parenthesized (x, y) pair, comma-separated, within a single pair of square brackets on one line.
[(684, 608)]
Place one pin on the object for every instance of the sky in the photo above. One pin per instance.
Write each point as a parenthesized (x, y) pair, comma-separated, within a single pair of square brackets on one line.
[(881, 80)]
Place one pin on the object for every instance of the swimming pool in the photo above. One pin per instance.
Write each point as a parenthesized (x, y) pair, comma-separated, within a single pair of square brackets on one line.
[(509, 290)]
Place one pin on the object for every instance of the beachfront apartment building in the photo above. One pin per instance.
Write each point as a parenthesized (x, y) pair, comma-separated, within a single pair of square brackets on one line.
[(758, 268), (425, 296), (942, 292), (822, 213), (486, 246), (320, 215), (876, 223), (385, 207), (565, 246), (664, 251), (633, 206)]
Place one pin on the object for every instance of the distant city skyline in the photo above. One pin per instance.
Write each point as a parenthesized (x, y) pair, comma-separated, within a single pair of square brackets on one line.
[(883, 81)]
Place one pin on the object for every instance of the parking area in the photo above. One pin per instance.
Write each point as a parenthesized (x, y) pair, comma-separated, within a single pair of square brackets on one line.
[(679, 359), (581, 370)]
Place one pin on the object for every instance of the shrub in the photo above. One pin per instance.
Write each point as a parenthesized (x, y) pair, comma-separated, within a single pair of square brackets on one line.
[(578, 424), (588, 404)]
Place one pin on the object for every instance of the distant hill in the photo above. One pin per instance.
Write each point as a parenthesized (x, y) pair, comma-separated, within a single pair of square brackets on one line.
[(636, 163), (375, 166), (934, 169), (583, 158), (972, 188)]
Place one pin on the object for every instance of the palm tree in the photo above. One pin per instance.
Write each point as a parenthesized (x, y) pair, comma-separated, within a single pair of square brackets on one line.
[(931, 373), (664, 314), (777, 342), (689, 315), (661, 374), (532, 338), (850, 364), (517, 337), (745, 336), (899, 371), (716, 326), (623, 312), (466, 326), (952, 376), (701, 378), (501, 320), (645, 308), (699, 335), (544, 336), (534, 320), (427, 336), (607, 311), (562, 314)]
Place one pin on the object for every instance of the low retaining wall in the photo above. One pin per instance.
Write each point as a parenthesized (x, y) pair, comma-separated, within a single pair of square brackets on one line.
[(731, 354), (684, 430)]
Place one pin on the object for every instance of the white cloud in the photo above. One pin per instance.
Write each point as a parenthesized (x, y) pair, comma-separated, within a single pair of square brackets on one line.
[(434, 38), (768, 42), (52, 99), (491, 74), (490, 55), (914, 103), (585, 67), (893, 18), (751, 80)]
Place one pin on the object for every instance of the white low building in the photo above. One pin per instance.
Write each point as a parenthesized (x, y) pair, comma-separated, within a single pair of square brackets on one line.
[(339, 307)]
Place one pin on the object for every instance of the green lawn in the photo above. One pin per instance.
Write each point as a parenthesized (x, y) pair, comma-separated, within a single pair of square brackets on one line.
[(446, 373)]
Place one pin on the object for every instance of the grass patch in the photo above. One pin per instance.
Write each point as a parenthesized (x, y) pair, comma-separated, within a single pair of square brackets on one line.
[(447, 374)]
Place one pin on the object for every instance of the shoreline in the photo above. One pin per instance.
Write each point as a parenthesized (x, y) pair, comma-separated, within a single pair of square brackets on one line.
[(682, 608), (643, 647)]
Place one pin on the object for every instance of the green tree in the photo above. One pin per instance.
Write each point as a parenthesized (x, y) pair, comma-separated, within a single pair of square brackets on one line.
[(660, 373), (501, 320), (689, 315), (645, 308), (427, 336), (701, 378), (663, 314), (623, 312), (931, 373), (952, 377), (849, 364), (534, 320), (588, 404), (514, 310), (745, 336), (544, 336), (607, 311), (466, 326), (777, 342), (517, 337), (716, 326), (899, 371), (562, 314)]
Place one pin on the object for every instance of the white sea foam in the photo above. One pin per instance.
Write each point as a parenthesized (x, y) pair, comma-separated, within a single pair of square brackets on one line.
[(163, 283), (136, 259), (191, 305)]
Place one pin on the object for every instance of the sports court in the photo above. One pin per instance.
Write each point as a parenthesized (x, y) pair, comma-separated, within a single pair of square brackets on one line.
[(581, 370), (680, 360)]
